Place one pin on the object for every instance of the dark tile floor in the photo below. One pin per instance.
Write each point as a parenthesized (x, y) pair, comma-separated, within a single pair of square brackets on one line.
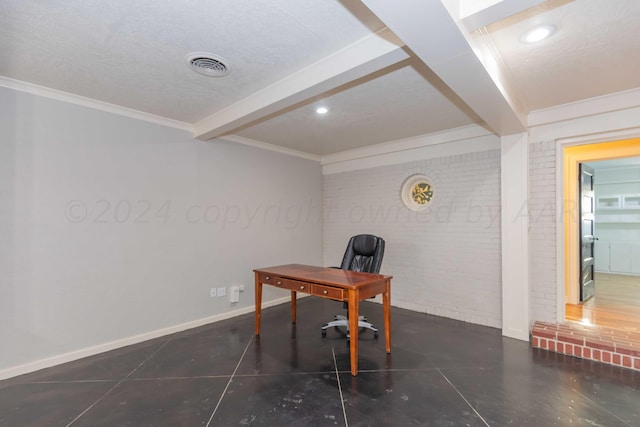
[(440, 373)]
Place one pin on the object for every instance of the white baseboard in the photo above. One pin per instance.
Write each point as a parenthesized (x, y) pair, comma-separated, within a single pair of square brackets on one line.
[(418, 308), (91, 351)]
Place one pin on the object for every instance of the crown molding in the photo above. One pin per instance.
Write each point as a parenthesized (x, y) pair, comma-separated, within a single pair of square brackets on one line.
[(70, 98), (585, 108), (450, 135), (403, 149), (461, 140), (270, 147)]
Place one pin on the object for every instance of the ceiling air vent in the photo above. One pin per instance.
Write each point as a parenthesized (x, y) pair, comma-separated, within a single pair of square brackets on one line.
[(207, 64)]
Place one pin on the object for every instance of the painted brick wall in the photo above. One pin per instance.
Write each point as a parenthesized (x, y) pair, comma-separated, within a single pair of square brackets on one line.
[(446, 260), (542, 231)]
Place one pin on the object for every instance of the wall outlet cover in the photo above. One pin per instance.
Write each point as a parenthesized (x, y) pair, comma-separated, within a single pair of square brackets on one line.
[(234, 293)]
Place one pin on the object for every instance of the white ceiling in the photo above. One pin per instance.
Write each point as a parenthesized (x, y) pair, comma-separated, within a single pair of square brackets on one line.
[(387, 70)]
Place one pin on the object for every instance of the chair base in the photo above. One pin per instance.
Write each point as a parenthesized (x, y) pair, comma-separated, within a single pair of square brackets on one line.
[(343, 322)]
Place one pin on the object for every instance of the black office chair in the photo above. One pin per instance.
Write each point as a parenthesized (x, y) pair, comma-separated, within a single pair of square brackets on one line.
[(364, 253)]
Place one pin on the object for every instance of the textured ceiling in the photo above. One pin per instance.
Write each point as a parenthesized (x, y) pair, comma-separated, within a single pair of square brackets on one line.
[(594, 51), (401, 103), (418, 76), (131, 53)]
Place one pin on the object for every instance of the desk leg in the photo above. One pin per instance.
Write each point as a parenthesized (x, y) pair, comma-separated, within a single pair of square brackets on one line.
[(354, 303), (386, 302), (258, 301), (293, 306)]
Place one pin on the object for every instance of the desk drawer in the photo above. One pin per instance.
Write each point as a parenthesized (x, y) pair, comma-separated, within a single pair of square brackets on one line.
[(292, 285), (327, 292), (266, 278)]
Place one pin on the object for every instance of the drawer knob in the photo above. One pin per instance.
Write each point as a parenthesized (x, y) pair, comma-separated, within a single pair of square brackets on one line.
[(325, 292), (267, 278), (279, 283), (301, 287)]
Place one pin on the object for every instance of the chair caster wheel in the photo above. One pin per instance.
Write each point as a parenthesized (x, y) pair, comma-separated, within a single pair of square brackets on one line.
[(375, 335), (324, 334)]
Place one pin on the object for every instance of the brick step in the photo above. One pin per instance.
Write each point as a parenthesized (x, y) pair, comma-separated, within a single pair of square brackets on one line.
[(612, 346)]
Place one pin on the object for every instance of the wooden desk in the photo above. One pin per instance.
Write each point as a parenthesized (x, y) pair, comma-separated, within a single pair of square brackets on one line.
[(332, 283)]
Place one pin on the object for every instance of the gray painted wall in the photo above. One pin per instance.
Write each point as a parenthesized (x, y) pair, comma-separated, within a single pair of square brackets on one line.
[(112, 228)]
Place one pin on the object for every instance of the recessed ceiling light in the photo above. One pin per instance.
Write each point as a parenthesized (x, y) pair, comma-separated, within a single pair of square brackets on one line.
[(207, 64), (322, 110), (538, 33)]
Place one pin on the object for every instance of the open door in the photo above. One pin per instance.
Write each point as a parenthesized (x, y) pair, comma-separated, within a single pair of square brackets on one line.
[(587, 231)]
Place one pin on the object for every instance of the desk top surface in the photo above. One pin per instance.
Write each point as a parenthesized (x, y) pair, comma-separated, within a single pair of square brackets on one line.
[(324, 275)]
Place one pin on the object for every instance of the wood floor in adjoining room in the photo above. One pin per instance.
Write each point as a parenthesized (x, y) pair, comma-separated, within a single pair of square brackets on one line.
[(616, 303)]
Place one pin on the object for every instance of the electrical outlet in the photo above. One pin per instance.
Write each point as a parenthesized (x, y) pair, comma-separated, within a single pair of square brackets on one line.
[(234, 293), (213, 293), (222, 292), (241, 286)]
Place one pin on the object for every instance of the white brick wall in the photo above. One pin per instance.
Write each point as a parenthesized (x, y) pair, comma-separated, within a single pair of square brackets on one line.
[(542, 231), (445, 261)]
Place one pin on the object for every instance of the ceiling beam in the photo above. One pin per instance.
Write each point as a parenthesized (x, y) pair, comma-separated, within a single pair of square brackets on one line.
[(430, 31), (357, 60), (491, 11)]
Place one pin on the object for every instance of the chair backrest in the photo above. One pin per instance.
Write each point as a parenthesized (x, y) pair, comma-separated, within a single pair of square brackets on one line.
[(364, 253)]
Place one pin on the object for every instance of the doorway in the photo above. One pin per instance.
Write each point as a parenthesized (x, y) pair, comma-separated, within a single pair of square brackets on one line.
[(616, 303)]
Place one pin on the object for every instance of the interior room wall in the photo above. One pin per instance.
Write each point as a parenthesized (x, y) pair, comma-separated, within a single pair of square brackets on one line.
[(617, 219), (445, 260), (114, 230)]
